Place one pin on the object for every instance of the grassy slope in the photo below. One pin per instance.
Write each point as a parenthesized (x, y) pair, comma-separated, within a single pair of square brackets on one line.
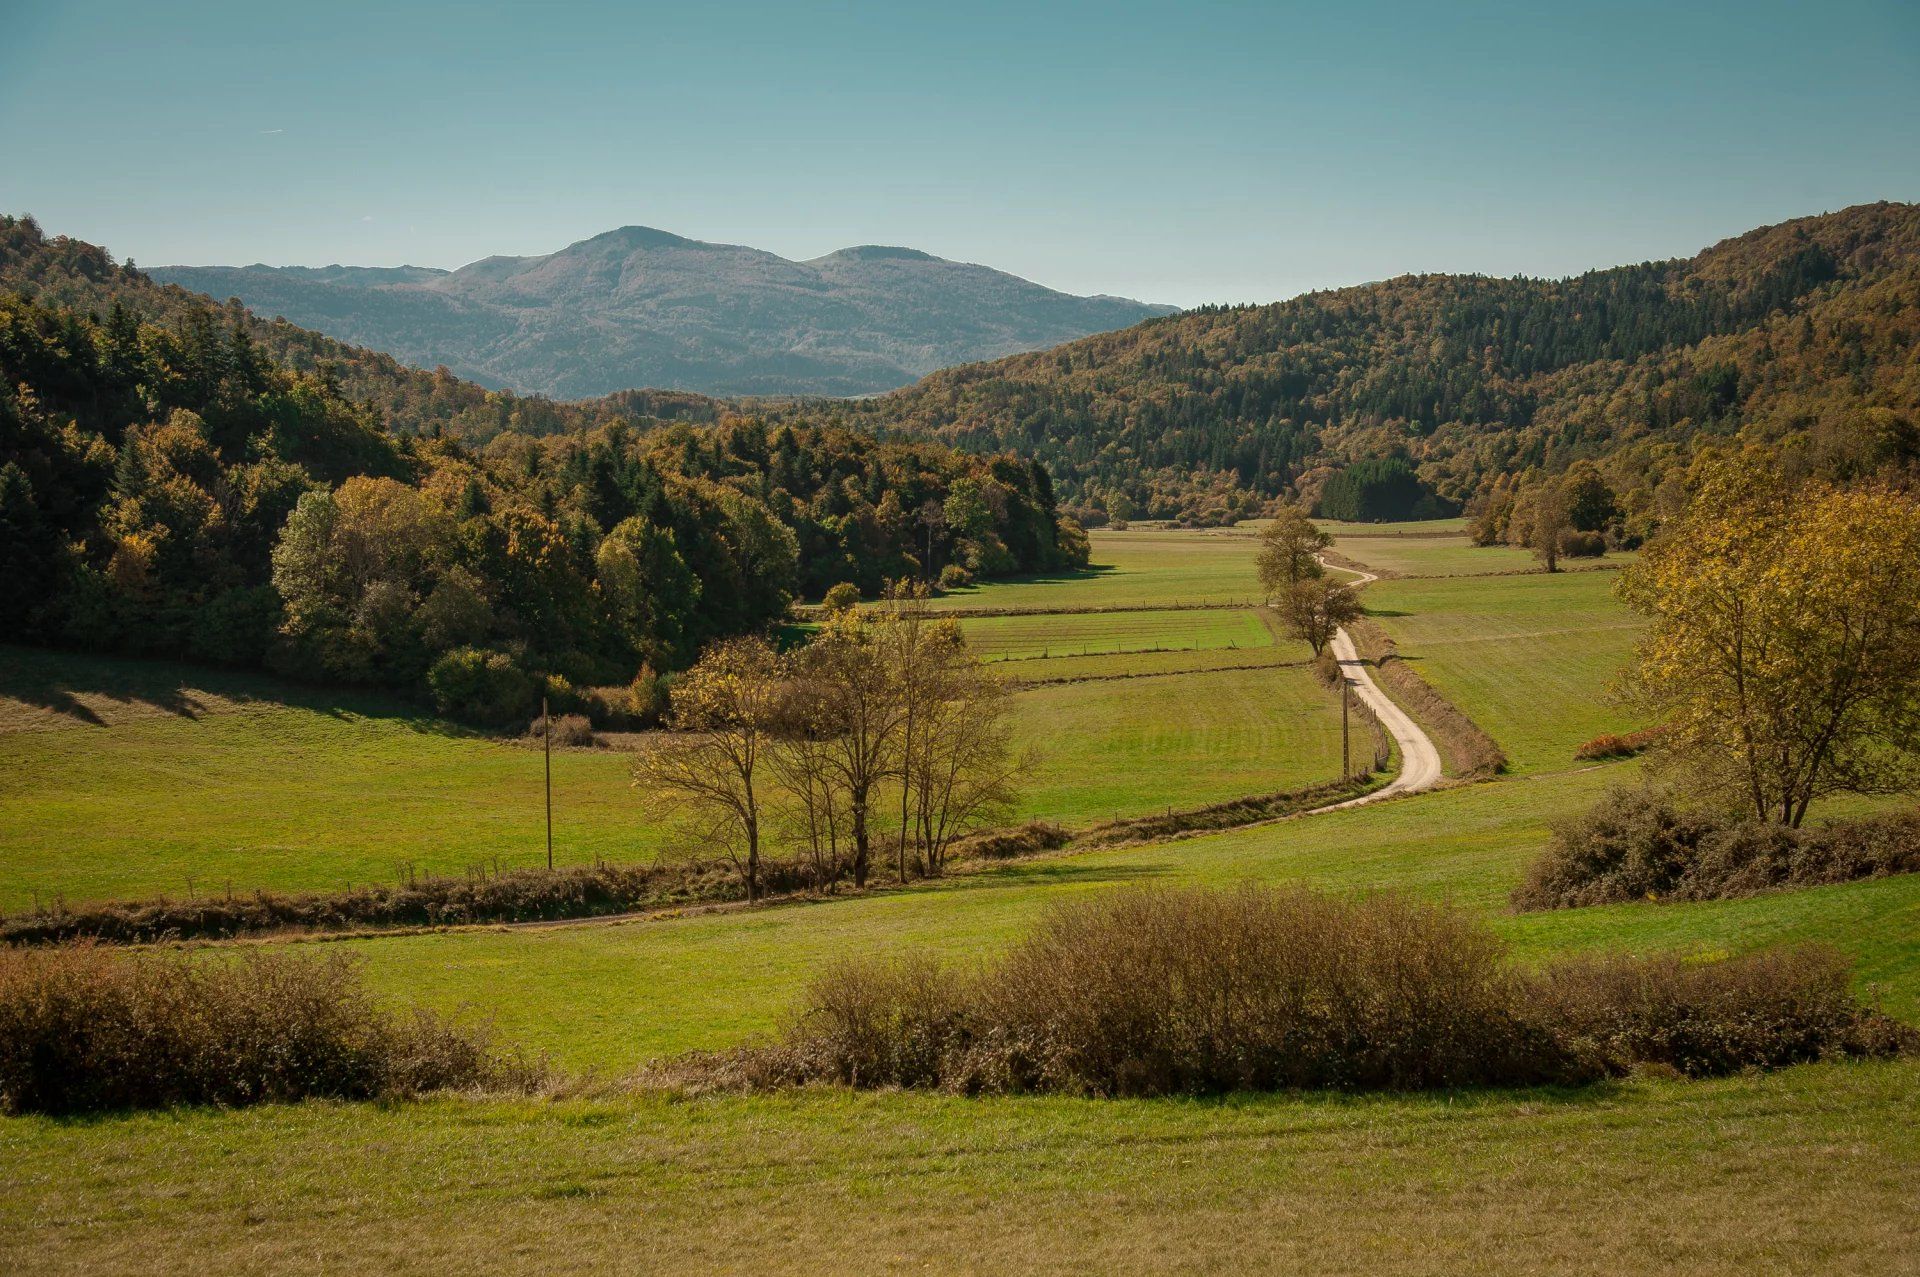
[(1813, 1170), (128, 778)]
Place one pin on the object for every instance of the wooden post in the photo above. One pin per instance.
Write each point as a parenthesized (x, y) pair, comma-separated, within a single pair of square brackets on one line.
[(546, 739), (1346, 767)]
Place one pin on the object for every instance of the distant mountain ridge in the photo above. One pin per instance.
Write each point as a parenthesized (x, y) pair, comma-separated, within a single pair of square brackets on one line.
[(638, 307)]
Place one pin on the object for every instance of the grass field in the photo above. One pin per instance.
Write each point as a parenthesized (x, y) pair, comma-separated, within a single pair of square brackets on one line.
[(1153, 567), (1529, 658), (1133, 747), (1000, 638), (1813, 1169), (126, 779)]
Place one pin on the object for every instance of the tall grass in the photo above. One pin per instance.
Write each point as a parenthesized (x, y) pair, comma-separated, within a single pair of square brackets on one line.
[(1154, 992), (83, 1029)]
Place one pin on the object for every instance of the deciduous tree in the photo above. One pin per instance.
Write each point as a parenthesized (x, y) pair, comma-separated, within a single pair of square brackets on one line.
[(1784, 650)]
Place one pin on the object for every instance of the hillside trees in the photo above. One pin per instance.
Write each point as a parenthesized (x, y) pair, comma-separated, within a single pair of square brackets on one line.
[(1783, 656), (177, 490)]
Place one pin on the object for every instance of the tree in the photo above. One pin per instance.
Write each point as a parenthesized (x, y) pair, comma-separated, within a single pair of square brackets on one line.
[(857, 714), (1548, 526), (960, 766), (1783, 656), (1591, 505), (1316, 609), (1289, 552), (726, 711)]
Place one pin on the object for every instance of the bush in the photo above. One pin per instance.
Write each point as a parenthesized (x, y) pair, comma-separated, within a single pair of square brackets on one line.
[(1636, 845), (1761, 1010), (515, 895), (955, 577), (1583, 545), (843, 597), (1608, 745), (83, 1030), (569, 730), (1148, 992), (481, 686)]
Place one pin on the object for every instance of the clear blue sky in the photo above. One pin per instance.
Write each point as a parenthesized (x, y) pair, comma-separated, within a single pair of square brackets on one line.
[(1180, 152)]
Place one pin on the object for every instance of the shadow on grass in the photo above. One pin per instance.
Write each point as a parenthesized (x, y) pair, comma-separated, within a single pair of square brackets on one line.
[(1092, 572), (62, 684)]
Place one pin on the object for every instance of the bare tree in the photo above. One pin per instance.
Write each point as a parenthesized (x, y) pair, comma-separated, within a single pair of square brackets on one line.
[(857, 716), (961, 769), (725, 712), (1550, 524)]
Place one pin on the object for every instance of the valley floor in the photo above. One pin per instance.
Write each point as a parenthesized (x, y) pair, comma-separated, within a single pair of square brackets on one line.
[(1813, 1169)]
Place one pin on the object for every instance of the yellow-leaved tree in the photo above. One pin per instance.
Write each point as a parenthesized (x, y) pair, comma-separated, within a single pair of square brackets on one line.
[(1783, 658)]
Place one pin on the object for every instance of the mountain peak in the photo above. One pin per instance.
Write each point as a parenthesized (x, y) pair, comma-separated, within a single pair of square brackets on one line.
[(880, 253)]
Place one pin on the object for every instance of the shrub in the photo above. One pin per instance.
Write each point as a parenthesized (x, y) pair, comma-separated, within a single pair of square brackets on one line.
[(481, 686), (1637, 845), (569, 730), (1003, 844), (84, 1030), (955, 577), (843, 597), (1583, 545), (1631, 845), (1762, 1010), (515, 895), (1608, 745), (1150, 992)]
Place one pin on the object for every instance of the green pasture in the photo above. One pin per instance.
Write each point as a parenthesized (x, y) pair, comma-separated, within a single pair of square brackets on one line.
[(1017, 638), (1529, 658), (1156, 567)]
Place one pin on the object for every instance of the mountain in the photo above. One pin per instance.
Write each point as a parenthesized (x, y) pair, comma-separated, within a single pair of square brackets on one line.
[(642, 307), (61, 272), (1805, 332)]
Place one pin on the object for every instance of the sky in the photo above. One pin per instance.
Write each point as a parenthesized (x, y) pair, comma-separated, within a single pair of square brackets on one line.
[(1174, 152)]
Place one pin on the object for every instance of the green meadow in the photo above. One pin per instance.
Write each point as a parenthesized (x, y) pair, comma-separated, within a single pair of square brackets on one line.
[(1809, 1169)]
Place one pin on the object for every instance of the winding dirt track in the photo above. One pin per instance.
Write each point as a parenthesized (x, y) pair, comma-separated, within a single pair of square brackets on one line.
[(1419, 759)]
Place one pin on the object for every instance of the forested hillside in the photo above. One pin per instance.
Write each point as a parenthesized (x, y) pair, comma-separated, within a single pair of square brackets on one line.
[(177, 478), (1805, 331)]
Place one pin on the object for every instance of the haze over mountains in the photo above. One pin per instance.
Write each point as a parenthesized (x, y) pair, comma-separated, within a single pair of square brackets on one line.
[(640, 307)]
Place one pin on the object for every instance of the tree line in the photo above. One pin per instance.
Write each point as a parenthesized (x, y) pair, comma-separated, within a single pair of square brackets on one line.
[(173, 489)]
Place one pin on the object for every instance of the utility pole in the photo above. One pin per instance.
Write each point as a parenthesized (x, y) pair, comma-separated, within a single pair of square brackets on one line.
[(1346, 767), (546, 739)]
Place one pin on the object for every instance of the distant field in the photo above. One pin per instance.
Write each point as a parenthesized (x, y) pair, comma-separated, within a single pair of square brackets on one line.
[(1450, 555), (1136, 746), (1167, 662), (1529, 658), (1423, 527), (1155, 567), (999, 638)]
